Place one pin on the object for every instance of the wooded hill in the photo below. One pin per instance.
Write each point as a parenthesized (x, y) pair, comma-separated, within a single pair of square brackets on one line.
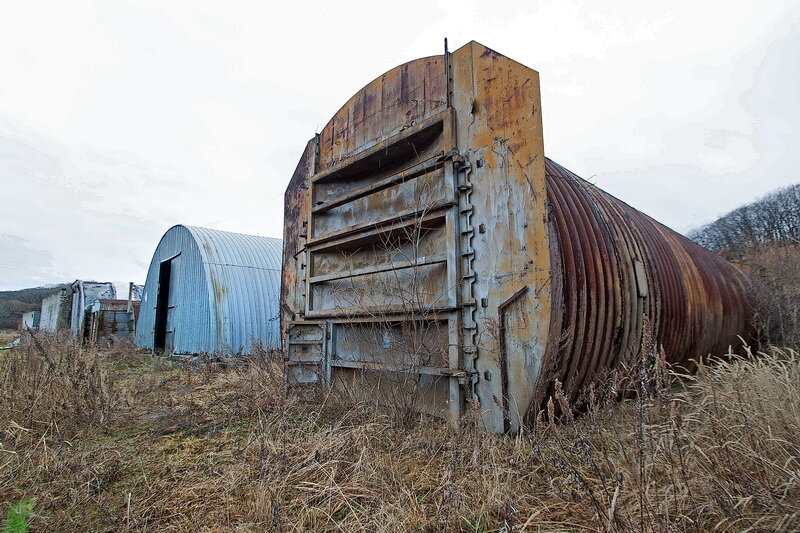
[(773, 219), (14, 303), (764, 238)]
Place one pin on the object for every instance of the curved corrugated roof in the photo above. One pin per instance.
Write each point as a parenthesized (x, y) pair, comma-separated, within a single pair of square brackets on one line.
[(227, 292), (237, 249)]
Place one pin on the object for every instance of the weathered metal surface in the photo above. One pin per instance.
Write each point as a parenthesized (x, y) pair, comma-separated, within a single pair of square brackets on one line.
[(294, 238), (223, 295), (110, 320), (429, 256), (84, 296), (616, 265)]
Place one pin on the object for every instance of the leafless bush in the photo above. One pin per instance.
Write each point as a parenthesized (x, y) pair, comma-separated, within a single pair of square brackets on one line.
[(51, 385), (775, 293)]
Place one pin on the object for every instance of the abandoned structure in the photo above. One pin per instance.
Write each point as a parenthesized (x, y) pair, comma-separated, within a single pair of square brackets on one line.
[(30, 320), (109, 320), (56, 309), (87, 294), (431, 248), (210, 291), (73, 308)]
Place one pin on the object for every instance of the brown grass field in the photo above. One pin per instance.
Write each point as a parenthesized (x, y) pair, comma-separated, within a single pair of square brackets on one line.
[(7, 335), (114, 440)]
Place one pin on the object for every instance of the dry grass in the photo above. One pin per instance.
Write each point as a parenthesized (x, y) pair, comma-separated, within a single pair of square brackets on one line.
[(7, 335), (117, 441)]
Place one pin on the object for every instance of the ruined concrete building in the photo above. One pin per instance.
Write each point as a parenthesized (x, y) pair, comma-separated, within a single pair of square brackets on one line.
[(210, 291), (75, 308), (433, 255)]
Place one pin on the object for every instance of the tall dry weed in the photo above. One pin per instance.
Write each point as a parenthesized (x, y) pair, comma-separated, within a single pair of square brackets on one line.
[(222, 447), (51, 385)]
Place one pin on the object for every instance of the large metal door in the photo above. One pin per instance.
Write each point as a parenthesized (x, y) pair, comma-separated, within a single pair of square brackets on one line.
[(172, 303), (166, 303), (384, 269)]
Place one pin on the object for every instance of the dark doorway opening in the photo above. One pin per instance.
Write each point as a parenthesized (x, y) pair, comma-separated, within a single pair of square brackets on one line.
[(162, 305)]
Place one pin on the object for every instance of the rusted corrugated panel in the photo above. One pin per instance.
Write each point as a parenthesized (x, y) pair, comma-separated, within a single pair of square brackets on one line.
[(430, 248), (618, 265)]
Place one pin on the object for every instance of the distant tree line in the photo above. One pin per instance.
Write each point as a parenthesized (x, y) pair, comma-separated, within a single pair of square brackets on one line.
[(14, 303), (775, 218), (764, 238)]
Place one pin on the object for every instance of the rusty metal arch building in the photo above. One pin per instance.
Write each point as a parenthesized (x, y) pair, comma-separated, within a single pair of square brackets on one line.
[(425, 218), (221, 293)]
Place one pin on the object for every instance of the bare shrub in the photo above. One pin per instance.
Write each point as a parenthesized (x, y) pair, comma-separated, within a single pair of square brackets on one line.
[(718, 452), (775, 293), (392, 325), (53, 385)]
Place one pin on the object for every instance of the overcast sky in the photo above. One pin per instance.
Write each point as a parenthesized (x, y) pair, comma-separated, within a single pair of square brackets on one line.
[(121, 119)]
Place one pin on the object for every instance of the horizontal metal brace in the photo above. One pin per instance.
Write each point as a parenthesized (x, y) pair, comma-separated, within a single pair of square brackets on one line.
[(411, 216), (302, 363), (382, 367), (398, 318), (399, 265), (410, 173), (435, 120), (382, 311), (304, 341), (454, 156), (379, 228)]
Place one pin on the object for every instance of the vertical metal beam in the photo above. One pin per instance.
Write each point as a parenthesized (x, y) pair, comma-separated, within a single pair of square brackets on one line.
[(453, 322), (452, 234), (328, 343), (309, 219), (448, 76)]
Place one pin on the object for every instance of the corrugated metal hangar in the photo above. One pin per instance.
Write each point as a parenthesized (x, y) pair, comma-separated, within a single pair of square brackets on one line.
[(210, 291)]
